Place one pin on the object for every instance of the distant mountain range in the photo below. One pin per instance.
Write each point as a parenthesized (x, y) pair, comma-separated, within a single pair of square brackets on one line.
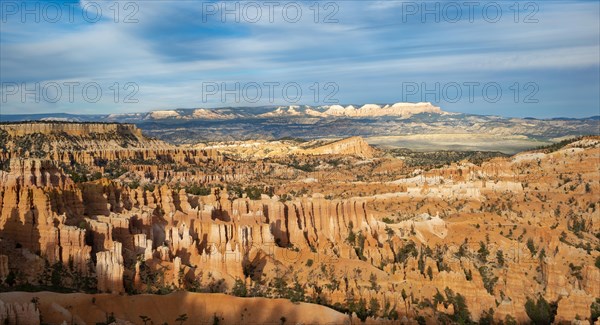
[(369, 110), (397, 110), (403, 110), (396, 125)]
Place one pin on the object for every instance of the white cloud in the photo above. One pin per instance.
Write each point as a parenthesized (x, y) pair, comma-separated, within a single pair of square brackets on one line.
[(360, 47)]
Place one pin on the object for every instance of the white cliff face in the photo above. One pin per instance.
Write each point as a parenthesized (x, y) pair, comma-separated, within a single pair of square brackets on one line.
[(163, 114), (367, 110), (205, 113), (283, 111), (370, 107), (208, 114), (338, 110), (312, 112), (397, 109), (293, 110)]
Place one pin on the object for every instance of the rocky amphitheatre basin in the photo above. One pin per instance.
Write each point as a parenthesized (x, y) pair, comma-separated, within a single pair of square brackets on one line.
[(369, 236)]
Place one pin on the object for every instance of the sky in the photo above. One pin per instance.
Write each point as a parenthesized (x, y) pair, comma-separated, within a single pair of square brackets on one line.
[(523, 59)]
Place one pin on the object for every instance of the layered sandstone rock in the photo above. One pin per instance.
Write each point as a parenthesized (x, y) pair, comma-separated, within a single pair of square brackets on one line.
[(574, 306), (109, 270), (350, 146), (143, 246), (27, 218), (74, 251), (17, 313), (33, 172)]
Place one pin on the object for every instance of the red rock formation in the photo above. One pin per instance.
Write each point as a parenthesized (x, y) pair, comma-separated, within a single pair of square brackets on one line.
[(501, 204), (355, 146), (74, 251), (109, 270)]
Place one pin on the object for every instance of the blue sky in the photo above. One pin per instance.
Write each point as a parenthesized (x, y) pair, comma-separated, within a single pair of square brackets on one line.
[(543, 57)]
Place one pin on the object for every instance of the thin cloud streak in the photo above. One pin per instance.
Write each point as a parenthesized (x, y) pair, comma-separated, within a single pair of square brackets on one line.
[(172, 64)]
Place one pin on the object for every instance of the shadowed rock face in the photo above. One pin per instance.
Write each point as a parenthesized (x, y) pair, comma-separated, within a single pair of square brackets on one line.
[(496, 234)]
